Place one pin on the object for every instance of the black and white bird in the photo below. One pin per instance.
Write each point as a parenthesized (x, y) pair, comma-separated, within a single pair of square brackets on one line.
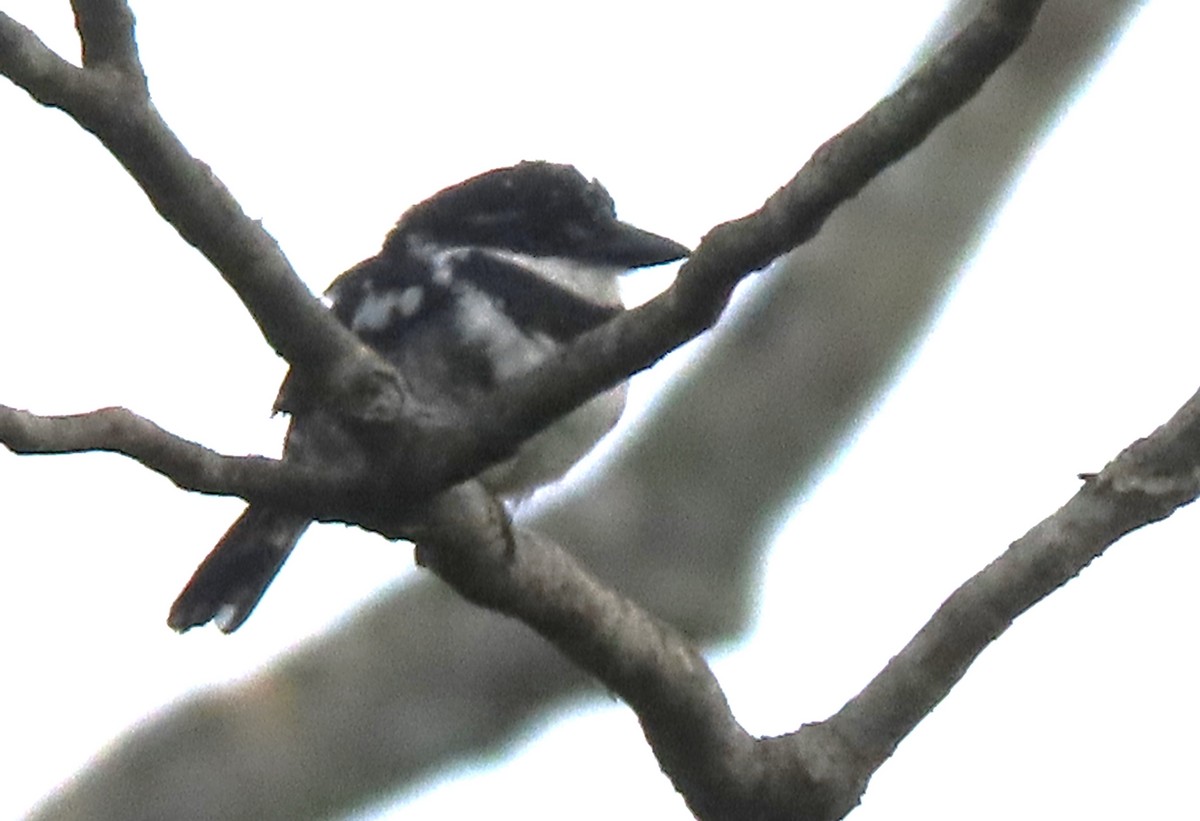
[(477, 284)]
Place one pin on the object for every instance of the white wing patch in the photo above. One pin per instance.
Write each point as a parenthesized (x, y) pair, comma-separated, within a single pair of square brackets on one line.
[(378, 310)]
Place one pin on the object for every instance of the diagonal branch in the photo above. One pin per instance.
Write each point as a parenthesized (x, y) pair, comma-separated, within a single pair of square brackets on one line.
[(497, 674), (1147, 482), (109, 98), (712, 760), (29, 63), (793, 215), (646, 661), (722, 771), (106, 33), (189, 465), (202, 210)]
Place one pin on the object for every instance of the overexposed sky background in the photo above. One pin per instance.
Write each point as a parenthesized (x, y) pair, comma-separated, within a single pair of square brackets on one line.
[(1071, 333)]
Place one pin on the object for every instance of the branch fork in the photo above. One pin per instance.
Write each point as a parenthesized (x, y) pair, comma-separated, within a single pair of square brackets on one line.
[(818, 771)]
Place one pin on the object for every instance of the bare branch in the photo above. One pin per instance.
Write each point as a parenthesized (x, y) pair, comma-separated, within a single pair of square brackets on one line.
[(106, 32), (205, 214), (213, 716), (732, 251), (721, 771), (714, 763), (109, 98), (681, 707), (33, 66), (189, 465), (842, 166), (1148, 481)]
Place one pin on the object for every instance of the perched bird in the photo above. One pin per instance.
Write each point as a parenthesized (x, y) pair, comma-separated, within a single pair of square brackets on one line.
[(474, 286)]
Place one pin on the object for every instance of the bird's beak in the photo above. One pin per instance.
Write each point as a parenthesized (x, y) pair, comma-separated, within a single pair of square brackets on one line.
[(634, 248)]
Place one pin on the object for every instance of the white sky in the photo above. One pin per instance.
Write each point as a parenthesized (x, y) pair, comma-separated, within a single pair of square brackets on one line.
[(1071, 334)]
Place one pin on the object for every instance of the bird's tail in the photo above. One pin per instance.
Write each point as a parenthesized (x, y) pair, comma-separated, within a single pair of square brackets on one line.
[(228, 584)]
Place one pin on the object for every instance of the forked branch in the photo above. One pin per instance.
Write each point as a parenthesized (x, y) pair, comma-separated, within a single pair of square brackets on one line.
[(722, 771)]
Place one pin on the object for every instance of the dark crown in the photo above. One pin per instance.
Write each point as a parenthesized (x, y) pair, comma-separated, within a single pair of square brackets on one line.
[(537, 208)]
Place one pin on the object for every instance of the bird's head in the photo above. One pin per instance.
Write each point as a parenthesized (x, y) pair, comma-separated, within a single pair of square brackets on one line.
[(538, 209)]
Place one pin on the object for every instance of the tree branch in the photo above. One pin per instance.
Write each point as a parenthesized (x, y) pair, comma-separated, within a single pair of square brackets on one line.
[(713, 762), (106, 32), (733, 250), (190, 465), (720, 770), (109, 97), (1147, 482), (1117, 492), (599, 360), (29, 63)]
